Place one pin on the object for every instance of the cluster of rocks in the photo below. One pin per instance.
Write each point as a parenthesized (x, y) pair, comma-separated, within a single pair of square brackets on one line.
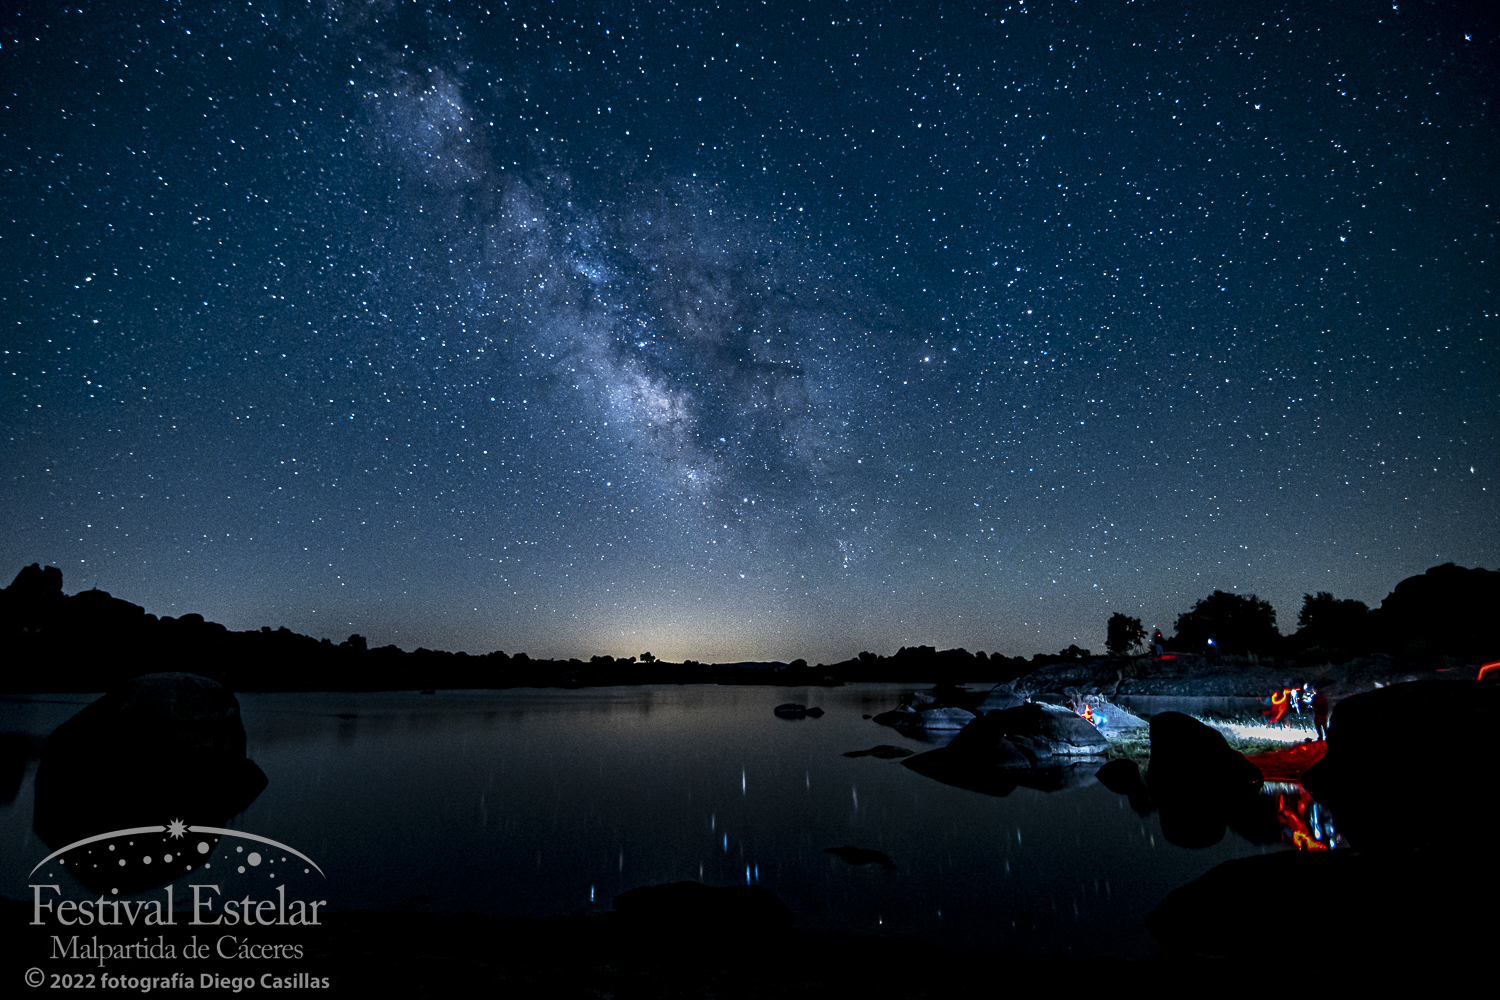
[(1002, 740)]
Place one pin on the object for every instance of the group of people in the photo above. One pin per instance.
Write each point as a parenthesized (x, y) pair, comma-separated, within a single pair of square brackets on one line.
[(1295, 700), (1286, 700)]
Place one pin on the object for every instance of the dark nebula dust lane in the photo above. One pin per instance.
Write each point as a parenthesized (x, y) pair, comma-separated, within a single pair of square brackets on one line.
[(770, 331)]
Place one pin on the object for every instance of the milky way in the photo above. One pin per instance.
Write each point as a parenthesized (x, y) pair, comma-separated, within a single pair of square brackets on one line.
[(762, 332)]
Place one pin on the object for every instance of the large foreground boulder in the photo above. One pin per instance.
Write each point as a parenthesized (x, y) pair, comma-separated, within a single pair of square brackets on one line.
[(159, 748), (1200, 784), (1372, 768), (1410, 908), (1189, 758)]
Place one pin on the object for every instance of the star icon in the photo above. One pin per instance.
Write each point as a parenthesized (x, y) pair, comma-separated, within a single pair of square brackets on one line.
[(176, 828)]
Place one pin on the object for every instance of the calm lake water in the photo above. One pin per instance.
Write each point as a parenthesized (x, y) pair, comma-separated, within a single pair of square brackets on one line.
[(542, 802)]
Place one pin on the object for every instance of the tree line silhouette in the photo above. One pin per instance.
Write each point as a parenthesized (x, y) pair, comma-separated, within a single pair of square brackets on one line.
[(91, 641), (1445, 611)]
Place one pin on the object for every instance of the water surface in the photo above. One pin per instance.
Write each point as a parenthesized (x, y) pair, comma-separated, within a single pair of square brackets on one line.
[(537, 802)]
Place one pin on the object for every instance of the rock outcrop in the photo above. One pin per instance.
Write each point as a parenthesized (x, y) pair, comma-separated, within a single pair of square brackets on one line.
[(1003, 749), (999, 698), (1040, 731), (1112, 720)]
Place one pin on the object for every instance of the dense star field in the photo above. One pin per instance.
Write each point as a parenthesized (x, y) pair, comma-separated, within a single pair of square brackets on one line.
[(746, 331)]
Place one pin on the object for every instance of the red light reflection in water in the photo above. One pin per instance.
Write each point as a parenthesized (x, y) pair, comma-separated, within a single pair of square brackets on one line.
[(1304, 824), (1494, 665)]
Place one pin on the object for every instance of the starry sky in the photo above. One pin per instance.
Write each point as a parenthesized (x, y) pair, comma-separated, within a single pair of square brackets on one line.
[(746, 331)]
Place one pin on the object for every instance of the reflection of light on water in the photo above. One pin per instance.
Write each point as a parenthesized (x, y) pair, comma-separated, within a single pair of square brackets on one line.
[(1305, 824)]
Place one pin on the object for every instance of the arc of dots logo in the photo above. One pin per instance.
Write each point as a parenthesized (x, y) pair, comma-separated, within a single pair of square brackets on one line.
[(149, 845)]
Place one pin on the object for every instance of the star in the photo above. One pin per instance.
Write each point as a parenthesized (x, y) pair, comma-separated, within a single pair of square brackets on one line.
[(176, 828)]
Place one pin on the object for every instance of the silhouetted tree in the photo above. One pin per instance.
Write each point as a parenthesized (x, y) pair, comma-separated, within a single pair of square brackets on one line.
[(1340, 628), (1123, 634), (1236, 623), (646, 657)]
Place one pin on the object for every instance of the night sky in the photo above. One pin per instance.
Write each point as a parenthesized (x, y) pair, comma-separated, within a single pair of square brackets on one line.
[(751, 331)]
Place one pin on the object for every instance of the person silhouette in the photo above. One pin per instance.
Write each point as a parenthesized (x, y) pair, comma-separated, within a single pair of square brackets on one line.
[(1320, 712)]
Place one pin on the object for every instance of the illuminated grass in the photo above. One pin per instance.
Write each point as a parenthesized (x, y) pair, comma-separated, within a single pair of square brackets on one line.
[(1246, 737), (1261, 736)]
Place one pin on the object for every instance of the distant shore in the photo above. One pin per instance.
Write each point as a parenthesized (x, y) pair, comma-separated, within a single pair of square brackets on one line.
[(91, 641)]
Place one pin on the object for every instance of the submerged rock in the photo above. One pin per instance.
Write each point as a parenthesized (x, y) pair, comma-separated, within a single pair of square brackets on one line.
[(861, 856), (884, 751), (791, 710)]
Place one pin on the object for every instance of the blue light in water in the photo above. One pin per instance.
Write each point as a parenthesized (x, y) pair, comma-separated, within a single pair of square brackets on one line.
[(726, 842), (591, 894), (747, 874), (757, 873)]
